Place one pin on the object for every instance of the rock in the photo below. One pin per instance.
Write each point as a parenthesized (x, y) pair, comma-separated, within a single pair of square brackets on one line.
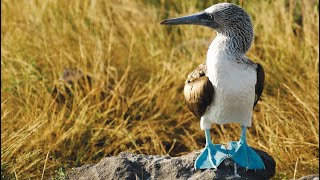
[(310, 177), (140, 166)]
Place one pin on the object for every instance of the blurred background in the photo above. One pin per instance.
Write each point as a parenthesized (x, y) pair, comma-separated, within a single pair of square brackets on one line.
[(132, 99)]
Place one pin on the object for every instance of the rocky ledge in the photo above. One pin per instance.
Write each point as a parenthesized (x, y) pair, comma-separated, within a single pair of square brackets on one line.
[(140, 166)]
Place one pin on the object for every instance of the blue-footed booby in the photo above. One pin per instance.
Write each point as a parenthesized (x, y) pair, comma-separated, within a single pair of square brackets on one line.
[(226, 87)]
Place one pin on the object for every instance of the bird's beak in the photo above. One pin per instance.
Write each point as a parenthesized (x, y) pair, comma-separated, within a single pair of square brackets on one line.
[(196, 19)]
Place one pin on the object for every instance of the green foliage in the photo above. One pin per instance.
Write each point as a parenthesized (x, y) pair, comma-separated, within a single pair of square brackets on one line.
[(61, 174)]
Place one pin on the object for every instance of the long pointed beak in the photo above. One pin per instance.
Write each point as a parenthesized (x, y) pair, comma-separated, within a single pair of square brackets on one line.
[(196, 19)]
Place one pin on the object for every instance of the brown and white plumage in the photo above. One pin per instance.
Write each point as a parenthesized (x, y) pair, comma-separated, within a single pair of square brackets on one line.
[(199, 92), (236, 81)]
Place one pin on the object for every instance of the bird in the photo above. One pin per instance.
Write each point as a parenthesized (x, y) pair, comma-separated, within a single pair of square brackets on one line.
[(227, 85)]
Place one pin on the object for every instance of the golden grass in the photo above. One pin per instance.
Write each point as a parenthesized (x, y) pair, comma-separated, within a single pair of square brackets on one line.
[(142, 66)]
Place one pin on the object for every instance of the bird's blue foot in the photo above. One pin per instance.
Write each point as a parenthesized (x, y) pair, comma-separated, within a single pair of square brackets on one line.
[(211, 156), (244, 155)]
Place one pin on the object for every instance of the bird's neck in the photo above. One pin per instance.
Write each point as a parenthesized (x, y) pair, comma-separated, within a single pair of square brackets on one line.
[(228, 44)]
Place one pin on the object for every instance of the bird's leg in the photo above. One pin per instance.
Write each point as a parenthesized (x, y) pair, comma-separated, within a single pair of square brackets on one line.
[(212, 155), (244, 155), (208, 138)]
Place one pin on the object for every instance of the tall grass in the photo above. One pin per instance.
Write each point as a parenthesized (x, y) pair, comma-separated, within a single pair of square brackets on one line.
[(141, 67)]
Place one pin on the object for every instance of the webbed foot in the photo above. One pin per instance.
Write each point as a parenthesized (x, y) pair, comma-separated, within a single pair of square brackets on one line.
[(211, 156), (244, 155)]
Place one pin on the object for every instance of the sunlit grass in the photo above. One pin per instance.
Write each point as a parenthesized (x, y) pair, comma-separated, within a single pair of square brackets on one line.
[(141, 67)]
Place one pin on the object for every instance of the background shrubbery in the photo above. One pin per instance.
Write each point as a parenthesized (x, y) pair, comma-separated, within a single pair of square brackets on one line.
[(140, 67)]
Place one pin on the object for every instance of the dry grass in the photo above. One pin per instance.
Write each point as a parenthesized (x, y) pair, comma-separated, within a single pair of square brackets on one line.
[(141, 66)]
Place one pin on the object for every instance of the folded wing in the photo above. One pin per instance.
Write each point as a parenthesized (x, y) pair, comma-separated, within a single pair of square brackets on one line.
[(259, 83), (198, 90)]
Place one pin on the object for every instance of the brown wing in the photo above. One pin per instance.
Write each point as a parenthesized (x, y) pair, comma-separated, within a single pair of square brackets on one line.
[(259, 84), (198, 90)]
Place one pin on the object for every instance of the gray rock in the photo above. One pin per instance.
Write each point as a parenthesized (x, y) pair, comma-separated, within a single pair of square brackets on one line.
[(140, 166), (310, 177)]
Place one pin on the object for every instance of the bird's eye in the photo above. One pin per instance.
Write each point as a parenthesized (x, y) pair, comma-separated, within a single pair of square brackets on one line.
[(210, 17)]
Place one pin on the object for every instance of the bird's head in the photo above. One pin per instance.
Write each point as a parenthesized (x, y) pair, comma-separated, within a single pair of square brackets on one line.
[(227, 19)]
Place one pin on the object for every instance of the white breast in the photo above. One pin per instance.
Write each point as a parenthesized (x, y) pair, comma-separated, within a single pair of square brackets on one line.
[(234, 91)]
